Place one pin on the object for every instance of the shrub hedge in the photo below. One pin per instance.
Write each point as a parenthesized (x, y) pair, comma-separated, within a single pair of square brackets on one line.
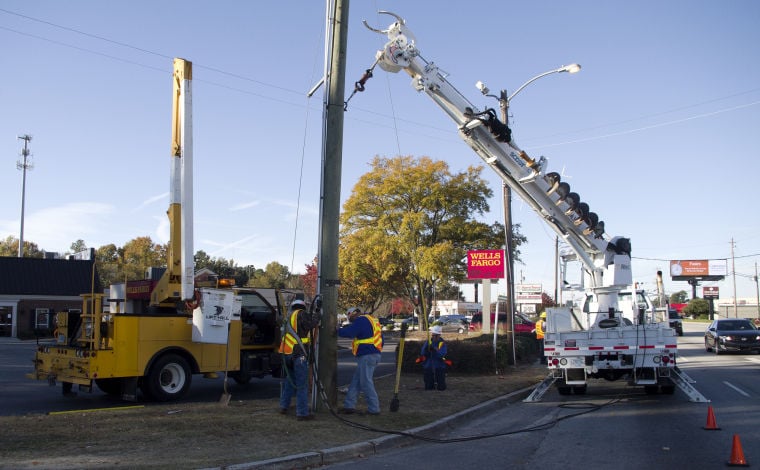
[(474, 355)]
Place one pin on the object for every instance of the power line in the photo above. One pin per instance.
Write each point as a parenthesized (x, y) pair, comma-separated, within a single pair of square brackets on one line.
[(394, 119)]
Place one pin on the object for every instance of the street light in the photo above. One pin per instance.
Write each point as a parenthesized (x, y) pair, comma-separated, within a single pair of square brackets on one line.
[(572, 68), (507, 192)]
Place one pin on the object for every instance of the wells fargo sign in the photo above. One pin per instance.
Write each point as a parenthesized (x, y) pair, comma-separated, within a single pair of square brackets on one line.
[(140, 289), (485, 264)]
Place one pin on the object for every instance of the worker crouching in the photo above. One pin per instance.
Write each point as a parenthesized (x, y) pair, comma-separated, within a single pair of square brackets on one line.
[(433, 359)]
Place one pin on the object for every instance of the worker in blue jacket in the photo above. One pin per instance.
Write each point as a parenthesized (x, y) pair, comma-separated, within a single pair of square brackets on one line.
[(433, 358), (367, 346)]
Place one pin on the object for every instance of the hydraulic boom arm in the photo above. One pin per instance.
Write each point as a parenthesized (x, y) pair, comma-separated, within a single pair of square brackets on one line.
[(177, 283), (606, 261)]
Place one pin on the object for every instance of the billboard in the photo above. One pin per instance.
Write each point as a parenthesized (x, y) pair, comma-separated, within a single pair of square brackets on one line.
[(703, 269), (485, 264)]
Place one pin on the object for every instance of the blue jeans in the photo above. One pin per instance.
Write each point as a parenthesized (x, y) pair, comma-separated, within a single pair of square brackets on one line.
[(362, 381), (295, 383)]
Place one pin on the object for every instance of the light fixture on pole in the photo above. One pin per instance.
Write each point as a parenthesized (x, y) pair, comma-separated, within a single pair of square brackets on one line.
[(572, 68), (504, 101)]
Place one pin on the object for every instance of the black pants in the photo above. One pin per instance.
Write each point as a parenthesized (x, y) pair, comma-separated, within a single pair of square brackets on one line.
[(433, 377)]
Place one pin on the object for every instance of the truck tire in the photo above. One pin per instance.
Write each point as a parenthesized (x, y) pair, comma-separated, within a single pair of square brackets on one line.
[(169, 378)]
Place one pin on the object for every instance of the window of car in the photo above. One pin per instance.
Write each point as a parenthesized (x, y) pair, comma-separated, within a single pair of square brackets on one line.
[(734, 325)]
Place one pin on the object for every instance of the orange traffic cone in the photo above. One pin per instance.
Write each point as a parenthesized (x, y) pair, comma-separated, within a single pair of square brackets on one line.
[(737, 455), (711, 425)]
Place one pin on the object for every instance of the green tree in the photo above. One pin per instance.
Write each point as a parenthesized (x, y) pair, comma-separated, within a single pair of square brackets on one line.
[(448, 291), (407, 227), (9, 247), (202, 260), (139, 254), (274, 275), (77, 246), (679, 297), (698, 308), (108, 261)]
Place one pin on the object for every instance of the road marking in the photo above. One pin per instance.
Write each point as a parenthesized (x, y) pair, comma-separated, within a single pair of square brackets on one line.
[(753, 359), (737, 389)]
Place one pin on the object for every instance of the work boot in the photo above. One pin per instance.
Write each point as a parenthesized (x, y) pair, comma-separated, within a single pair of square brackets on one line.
[(283, 411), (305, 418), (346, 411)]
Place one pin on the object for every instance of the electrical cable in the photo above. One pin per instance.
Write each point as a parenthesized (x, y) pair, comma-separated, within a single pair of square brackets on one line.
[(586, 408)]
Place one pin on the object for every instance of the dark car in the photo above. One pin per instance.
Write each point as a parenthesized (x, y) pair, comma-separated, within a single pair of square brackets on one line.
[(675, 321), (451, 323), (732, 335), (410, 322), (384, 321), (522, 323)]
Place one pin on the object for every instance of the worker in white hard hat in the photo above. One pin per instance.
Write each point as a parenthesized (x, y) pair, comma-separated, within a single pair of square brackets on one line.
[(433, 359), (294, 348)]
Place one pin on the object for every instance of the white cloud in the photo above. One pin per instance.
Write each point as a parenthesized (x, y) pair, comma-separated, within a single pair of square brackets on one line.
[(244, 205), (56, 228), (151, 200)]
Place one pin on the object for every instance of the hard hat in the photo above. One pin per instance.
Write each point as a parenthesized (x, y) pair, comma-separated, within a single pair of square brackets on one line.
[(353, 311), (436, 330), (543, 315), (296, 304)]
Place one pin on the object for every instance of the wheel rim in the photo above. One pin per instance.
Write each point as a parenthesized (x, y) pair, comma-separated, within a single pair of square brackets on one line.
[(172, 378)]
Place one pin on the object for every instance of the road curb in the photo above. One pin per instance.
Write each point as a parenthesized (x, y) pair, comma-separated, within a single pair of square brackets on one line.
[(374, 446)]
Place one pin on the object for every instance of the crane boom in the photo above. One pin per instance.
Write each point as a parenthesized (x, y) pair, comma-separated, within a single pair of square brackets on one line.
[(606, 260), (177, 283)]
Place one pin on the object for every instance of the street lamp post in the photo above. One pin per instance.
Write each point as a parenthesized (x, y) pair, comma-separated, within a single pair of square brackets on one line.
[(504, 102)]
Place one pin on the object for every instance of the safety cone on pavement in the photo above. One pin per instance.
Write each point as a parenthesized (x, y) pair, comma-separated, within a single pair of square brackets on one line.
[(711, 424), (737, 455)]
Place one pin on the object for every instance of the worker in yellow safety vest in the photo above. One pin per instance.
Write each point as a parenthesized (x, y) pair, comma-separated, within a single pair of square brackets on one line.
[(367, 346), (539, 330), (294, 347)]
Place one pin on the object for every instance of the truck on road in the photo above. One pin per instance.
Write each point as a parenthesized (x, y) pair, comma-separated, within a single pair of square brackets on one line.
[(617, 334), (120, 345)]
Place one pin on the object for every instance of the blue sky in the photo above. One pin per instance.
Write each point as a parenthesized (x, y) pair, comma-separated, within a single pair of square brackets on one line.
[(658, 132)]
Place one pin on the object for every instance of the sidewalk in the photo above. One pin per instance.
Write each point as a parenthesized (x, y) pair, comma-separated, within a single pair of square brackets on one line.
[(376, 446)]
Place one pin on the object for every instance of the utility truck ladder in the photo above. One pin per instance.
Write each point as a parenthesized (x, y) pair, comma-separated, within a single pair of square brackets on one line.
[(684, 382), (539, 391)]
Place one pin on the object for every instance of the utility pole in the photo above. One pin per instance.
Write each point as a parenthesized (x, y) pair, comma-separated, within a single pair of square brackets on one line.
[(733, 269), (757, 292), (509, 274), (332, 155), (23, 165)]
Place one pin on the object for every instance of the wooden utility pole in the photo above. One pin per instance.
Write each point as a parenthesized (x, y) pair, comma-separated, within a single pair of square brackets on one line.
[(332, 155), (509, 254)]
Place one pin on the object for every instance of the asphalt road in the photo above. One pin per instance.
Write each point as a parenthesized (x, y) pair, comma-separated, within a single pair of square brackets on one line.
[(24, 396), (613, 426)]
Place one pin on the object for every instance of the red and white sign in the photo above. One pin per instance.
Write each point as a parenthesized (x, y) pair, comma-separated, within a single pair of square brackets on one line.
[(710, 292), (485, 264)]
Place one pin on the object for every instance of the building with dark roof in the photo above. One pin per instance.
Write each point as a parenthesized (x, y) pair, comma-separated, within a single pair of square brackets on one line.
[(32, 290)]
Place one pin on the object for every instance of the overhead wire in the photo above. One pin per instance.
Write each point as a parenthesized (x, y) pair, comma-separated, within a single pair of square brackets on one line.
[(393, 117)]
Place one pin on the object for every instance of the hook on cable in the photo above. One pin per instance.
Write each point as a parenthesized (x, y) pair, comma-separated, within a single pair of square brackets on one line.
[(384, 31)]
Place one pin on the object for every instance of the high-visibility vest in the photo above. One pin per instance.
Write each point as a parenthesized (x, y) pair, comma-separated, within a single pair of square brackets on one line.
[(290, 337), (376, 339), (540, 329)]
